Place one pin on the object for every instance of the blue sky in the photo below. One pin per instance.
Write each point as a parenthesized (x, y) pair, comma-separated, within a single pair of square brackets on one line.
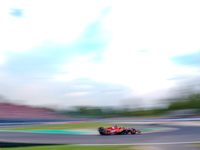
[(63, 53)]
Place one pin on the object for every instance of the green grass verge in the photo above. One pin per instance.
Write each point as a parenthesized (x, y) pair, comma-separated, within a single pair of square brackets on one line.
[(197, 145), (90, 125), (71, 147)]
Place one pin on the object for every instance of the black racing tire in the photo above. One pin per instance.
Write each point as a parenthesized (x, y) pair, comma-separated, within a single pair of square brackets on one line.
[(101, 133), (101, 130), (107, 132), (133, 131)]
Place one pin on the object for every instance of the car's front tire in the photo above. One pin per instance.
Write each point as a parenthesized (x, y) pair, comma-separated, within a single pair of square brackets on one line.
[(133, 131)]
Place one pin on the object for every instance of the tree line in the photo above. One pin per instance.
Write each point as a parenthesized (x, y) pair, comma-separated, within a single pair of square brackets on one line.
[(191, 101)]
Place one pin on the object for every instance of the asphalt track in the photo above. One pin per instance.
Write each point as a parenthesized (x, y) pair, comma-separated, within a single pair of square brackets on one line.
[(184, 134)]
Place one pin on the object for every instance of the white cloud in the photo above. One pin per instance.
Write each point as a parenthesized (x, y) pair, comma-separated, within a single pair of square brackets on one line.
[(76, 94), (82, 86), (166, 27), (1, 58), (144, 73), (58, 20)]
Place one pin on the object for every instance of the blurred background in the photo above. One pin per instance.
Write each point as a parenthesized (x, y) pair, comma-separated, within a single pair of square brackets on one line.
[(72, 66), (99, 58)]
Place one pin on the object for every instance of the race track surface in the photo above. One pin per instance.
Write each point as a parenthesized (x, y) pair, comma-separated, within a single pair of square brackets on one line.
[(184, 134)]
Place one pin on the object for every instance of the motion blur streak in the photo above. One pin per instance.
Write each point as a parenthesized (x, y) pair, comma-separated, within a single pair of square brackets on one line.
[(70, 67)]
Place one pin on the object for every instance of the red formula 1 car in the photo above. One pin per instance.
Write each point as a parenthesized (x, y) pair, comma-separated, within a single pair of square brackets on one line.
[(117, 130)]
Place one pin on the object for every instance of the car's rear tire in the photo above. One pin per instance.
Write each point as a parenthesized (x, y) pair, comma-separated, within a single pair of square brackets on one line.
[(107, 132), (101, 133), (101, 130)]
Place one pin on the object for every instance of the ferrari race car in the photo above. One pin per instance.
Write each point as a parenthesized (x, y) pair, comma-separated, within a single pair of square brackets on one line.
[(117, 130)]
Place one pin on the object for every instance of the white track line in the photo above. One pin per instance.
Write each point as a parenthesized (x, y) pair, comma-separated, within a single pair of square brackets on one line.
[(167, 143)]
